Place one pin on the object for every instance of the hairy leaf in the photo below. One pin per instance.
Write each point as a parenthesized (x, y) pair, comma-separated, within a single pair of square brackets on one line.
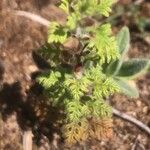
[(123, 40), (126, 88), (133, 68)]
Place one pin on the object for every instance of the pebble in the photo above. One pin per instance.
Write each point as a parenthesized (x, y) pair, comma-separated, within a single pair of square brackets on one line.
[(139, 103), (126, 137), (16, 59), (32, 68), (4, 54), (103, 143), (145, 110), (132, 113), (147, 39)]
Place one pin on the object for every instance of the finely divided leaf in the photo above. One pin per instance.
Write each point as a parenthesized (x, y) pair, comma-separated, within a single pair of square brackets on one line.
[(65, 6), (56, 33), (105, 44), (92, 7), (105, 7), (72, 21)]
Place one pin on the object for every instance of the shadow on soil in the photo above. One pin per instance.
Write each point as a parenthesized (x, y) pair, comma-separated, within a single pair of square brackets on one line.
[(32, 109)]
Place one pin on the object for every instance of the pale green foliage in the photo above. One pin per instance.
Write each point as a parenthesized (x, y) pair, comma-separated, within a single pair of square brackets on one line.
[(50, 79), (127, 88), (100, 108), (123, 40), (77, 86), (76, 111), (72, 21), (104, 7), (56, 33), (123, 70), (81, 92), (104, 44), (91, 7), (65, 5)]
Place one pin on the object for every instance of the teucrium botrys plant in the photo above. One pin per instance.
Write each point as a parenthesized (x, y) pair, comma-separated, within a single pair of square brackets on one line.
[(77, 82)]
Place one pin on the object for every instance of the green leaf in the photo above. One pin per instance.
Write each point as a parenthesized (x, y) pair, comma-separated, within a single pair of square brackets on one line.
[(49, 79), (105, 7), (92, 7), (65, 6), (104, 44), (72, 21), (56, 33), (111, 68), (123, 40), (133, 68), (126, 88)]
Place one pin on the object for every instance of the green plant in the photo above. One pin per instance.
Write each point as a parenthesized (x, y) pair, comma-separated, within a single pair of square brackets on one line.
[(86, 67), (124, 69)]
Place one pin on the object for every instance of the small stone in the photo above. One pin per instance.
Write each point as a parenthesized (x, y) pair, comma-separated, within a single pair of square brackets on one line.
[(132, 113), (145, 110), (4, 54), (32, 68), (147, 39), (126, 137), (103, 143), (139, 103), (16, 59)]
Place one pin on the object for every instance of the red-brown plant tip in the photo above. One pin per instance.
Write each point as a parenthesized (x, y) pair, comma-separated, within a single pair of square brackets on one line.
[(101, 129), (88, 21), (78, 70)]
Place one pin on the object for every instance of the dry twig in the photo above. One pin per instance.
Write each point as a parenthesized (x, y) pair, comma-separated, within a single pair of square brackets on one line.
[(27, 140), (33, 17), (132, 120)]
